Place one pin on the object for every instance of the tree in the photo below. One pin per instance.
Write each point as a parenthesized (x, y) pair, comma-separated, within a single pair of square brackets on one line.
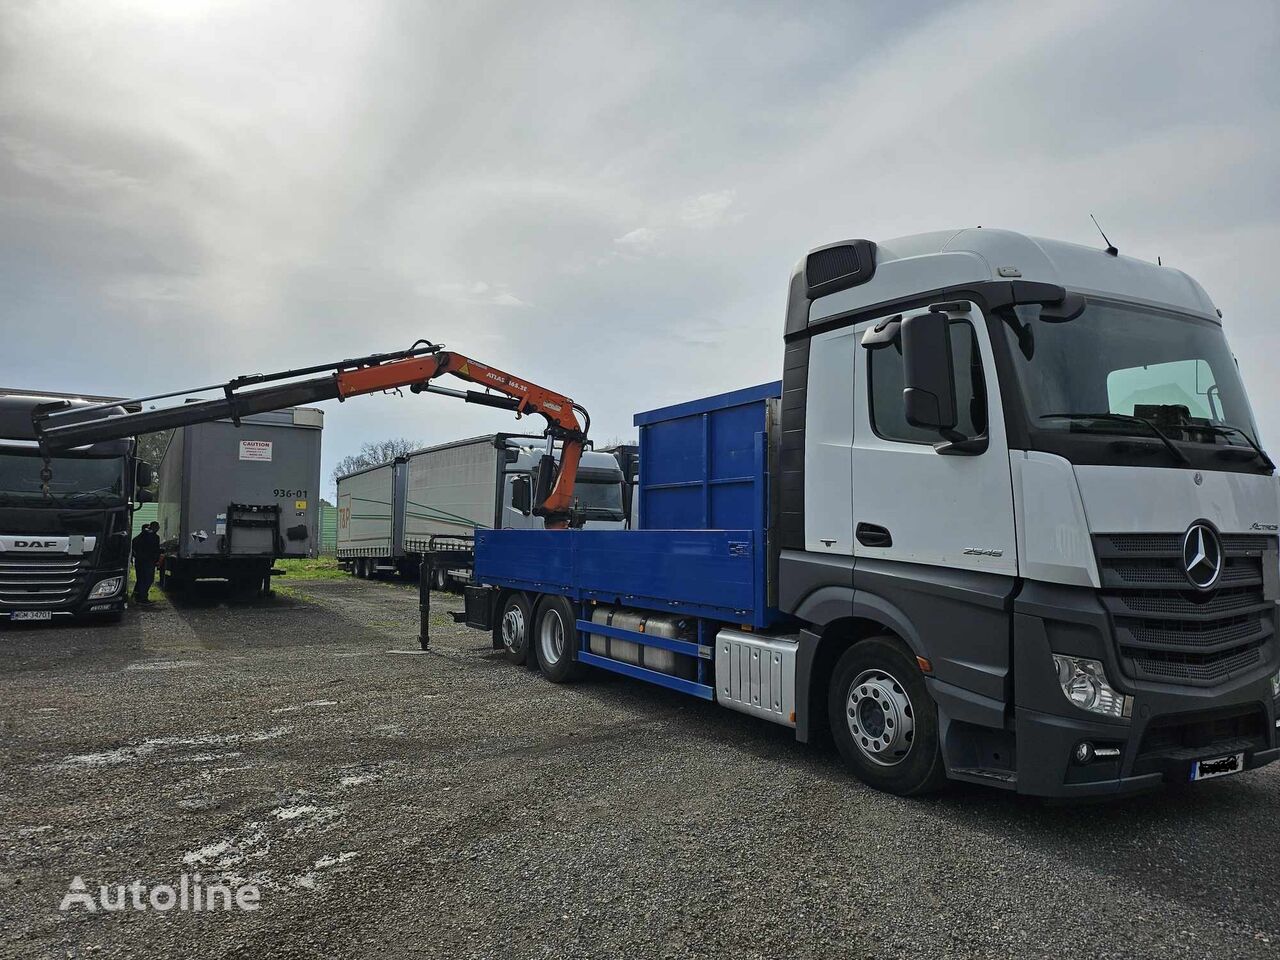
[(151, 446), (373, 452)]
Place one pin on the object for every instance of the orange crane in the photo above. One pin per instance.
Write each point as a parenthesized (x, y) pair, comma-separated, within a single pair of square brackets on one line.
[(58, 426)]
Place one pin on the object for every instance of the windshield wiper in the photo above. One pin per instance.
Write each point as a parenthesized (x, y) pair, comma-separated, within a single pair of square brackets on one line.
[(1125, 418), (1226, 430)]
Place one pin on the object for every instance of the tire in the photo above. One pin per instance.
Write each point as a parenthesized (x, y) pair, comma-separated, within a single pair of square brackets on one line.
[(362, 568), (515, 627), (883, 720), (439, 579), (555, 640)]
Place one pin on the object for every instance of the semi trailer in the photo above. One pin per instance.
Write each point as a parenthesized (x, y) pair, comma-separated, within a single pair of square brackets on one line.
[(1004, 519), (235, 498), (65, 540), (389, 515)]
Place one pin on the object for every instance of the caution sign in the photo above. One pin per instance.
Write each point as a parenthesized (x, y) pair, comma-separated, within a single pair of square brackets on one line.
[(255, 450)]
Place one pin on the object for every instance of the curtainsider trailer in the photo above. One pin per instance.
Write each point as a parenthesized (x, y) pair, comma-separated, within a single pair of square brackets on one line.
[(371, 520), (441, 495), (234, 498), (1005, 519)]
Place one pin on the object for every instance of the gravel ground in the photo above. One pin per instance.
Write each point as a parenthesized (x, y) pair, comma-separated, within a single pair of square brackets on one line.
[(389, 802)]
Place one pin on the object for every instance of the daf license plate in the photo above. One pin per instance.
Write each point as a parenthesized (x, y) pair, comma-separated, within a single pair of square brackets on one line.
[(32, 615), (1217, 767)]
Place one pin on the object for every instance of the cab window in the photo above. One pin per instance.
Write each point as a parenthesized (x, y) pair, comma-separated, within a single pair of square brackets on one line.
[(888, 413)]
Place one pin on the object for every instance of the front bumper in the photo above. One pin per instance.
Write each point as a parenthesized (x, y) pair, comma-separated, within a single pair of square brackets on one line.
[(1046, 744), (1170, 727)]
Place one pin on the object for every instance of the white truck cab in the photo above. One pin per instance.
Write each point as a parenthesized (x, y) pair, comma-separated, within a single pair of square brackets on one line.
[(1033, 464)]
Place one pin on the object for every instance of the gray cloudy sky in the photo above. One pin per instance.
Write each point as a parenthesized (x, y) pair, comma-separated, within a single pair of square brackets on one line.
[(605, 198)]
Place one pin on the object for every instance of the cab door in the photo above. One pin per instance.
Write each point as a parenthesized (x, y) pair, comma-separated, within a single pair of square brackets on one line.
[(912, 503), (828, 454)]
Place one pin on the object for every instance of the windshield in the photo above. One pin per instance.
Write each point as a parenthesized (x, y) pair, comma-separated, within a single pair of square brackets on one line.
[(1116, 362), (599, 498), (82, 481)]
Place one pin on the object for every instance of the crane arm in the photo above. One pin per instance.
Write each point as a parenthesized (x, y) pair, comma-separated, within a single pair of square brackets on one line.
[(58, 426)]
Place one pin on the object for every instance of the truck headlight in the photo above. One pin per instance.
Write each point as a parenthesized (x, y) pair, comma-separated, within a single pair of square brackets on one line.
[(106, 588), (1084, 683)]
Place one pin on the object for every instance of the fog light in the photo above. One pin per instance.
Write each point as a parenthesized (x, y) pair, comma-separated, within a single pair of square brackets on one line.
[(1275, 685), (1084, 683), (1083, 752), (106, 588)]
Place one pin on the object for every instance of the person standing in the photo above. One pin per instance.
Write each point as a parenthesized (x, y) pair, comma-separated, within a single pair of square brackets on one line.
[(146, 551)]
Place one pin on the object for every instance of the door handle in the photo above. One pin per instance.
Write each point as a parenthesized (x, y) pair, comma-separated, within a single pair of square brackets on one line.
[(874, 535)]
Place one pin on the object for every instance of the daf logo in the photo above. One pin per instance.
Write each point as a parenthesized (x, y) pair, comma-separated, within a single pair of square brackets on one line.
[(1202, 555), (34, 544)]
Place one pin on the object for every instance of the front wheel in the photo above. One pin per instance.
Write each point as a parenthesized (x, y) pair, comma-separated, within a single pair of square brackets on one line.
[(883, 720), (556, 635)]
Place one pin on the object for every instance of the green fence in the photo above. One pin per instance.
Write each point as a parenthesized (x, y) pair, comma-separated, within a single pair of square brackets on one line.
[(328, 529), (144, 514)]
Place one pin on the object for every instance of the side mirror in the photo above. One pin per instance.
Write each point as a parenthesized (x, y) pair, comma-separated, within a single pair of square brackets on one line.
[(144, 496), (520, 495), (144, 476), (929, 380)]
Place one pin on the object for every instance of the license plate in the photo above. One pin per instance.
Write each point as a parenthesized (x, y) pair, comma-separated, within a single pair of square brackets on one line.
[(32, 615), (1217, 767)]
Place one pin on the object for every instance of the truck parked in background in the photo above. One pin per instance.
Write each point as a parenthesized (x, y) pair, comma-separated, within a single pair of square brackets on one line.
[(64, 552), (388, 515), (236, 498), (1005, 520), (628, 457)]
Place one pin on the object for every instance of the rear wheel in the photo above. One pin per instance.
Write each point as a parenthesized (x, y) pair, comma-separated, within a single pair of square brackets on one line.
[(515, 625), (439, 579), (556, 635), (883, 720)]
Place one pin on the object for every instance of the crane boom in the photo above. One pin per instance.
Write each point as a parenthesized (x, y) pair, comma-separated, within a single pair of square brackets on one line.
[(59, 427)]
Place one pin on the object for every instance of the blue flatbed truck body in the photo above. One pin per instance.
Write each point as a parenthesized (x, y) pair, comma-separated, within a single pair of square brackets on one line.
[(704, 551)]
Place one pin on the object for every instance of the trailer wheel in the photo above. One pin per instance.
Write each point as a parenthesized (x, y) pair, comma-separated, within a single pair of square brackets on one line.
[(883, 720), (515, 626), (439, 579), (556, 640)]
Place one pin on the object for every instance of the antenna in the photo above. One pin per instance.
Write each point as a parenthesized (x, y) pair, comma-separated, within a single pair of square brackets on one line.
[(1111, 248)]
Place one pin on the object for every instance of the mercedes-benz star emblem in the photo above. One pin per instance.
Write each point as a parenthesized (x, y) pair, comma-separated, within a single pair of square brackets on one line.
[(1202, 555)]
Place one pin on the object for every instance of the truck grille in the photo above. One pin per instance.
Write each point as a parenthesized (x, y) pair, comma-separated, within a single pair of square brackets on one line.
[(40, 581), (1169, 632)]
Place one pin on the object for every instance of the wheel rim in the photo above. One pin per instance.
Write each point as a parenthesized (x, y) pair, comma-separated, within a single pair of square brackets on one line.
[(881, 718), (439, 575), (552, 637), (513, 628)]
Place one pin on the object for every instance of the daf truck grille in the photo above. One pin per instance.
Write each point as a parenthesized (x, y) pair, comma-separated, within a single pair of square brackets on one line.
[(1168, 631), (40, 581)]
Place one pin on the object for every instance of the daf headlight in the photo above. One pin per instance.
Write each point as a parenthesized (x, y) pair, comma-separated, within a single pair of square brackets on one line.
[(1084, 683), (106, 588)]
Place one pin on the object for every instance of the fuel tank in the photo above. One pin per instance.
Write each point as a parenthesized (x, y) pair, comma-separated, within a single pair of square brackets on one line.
[(637, 654)]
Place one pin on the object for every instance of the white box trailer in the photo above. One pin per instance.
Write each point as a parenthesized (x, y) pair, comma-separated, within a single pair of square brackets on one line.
[(371, 516)]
